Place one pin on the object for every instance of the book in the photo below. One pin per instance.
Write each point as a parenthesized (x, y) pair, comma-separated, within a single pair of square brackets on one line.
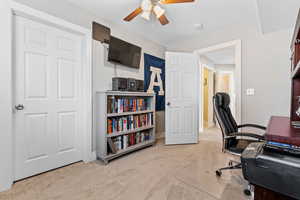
[(109, 126), (110, 104), (125, 124), (142, 137), (130, 122), (118, 142), (125, 141), (137, 138), (119, 106), (126, 104), (111, 145), (132, 139)]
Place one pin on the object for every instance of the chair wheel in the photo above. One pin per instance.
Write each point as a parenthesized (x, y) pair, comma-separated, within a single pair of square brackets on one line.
[(247, 192), (218, 173)]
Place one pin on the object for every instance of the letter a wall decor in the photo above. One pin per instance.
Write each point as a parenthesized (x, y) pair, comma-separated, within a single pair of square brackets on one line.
[(154, 79)]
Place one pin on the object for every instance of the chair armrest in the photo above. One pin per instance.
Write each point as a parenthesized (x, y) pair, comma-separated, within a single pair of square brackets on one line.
[(253, 125), (260, 137)]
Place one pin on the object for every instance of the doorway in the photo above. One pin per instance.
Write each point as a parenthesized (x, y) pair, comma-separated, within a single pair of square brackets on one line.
[(220, 68)]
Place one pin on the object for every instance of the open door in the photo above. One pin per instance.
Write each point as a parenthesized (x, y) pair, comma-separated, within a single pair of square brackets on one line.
[(182, 72)]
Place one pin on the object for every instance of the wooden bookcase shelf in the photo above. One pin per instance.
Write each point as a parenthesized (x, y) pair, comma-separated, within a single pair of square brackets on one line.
[(296, 71), (129, 113), (129, 131), (129, 149), (295, 82), (103, 115)]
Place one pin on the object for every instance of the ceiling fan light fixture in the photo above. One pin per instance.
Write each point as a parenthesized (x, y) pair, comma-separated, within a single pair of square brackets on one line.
[(146, 15), (147, 6), (158, 11)]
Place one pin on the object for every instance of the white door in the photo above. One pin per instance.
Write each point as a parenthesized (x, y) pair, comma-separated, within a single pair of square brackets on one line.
[(48, 117), (181, 98)]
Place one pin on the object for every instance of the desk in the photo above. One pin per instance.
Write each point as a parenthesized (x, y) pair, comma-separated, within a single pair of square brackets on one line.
[(280, 130), (261, 193)]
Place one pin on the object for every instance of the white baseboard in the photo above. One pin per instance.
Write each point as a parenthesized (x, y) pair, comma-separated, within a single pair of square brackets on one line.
[(4, 188), (92, 157)]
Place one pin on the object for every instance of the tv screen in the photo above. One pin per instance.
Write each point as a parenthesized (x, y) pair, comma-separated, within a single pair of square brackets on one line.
[(124, 53)]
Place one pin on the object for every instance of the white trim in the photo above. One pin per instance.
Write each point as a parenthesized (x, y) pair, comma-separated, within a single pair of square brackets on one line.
[(258, 18), (199, 74), (238, 75), (28, 12), (210, 68), (25, 11), (6, 137)]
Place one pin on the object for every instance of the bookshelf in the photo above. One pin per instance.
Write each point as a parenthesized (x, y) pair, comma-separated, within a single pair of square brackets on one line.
[(295, 73), (125, 122)]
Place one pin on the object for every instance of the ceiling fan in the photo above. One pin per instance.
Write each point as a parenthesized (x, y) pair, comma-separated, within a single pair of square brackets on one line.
[(153, 6)]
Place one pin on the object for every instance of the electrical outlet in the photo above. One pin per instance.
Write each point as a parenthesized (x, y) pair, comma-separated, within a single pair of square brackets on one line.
[(250, 91)]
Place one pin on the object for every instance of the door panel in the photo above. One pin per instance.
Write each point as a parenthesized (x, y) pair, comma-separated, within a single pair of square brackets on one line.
[(47, 76), (35, 75), (188, 120), (174, 116), (66, 79), (67, 131), (181, 97), (36, 135)]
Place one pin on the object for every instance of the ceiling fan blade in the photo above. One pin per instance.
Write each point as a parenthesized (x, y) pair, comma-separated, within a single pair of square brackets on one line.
[(163, 20), (175, 1), (132, 15)]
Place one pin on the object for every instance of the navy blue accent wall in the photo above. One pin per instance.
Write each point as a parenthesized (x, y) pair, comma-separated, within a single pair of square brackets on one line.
[(157, 63)]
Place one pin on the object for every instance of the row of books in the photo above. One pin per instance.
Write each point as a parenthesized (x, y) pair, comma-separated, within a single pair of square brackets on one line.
[(123, 142), (127, 104), (130, 122)]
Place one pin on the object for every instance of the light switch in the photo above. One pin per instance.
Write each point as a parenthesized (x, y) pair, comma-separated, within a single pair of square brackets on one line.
[(250, 91)]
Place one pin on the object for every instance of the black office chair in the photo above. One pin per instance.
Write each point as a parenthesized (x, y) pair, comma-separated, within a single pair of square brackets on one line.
[(232, 141)]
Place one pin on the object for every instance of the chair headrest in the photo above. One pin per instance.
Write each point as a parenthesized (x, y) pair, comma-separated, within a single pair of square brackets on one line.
[(222, 99)]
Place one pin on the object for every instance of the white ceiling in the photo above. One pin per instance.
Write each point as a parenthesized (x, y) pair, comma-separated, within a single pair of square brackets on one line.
[(276, 15), (222, 57), (265, 15)]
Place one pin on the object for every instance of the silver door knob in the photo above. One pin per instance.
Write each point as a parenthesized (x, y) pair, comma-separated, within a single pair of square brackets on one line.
[(19, 107)]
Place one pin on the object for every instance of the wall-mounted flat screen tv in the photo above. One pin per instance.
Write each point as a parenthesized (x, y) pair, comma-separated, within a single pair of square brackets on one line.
[(124, 53)]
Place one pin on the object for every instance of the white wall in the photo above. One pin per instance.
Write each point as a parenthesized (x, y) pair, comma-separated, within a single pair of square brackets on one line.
[(225, 67), (265, 67), (104, 70), (5, 97)]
